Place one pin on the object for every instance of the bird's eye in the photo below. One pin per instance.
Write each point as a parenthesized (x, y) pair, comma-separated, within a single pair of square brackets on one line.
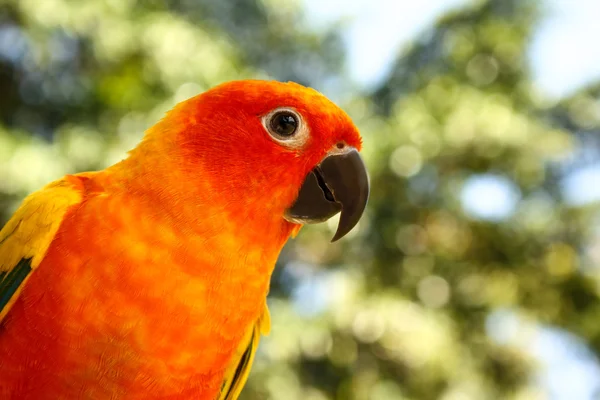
[(287, 127), (284, 124)]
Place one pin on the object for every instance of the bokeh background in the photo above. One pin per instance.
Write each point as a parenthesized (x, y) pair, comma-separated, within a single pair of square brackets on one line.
[(475, 271)]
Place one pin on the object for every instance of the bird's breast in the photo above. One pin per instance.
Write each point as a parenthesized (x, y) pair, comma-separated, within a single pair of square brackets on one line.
[(131, 305)]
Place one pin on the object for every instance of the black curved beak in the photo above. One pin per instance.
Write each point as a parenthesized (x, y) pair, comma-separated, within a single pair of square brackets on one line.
[(339, 183)]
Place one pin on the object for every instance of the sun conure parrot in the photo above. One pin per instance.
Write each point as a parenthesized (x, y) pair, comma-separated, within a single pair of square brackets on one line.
[(148, 280)]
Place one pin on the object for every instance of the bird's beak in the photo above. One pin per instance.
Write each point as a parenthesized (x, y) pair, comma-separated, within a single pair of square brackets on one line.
[(339, 183)]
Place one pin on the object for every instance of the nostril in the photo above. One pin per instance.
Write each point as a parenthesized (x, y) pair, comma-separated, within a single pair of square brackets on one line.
[(340, 145)]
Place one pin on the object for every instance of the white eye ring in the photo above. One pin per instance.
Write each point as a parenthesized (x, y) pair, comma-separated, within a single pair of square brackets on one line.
[(286, 127)]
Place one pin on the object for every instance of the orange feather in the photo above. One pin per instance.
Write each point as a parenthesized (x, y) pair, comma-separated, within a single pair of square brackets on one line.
[(159, 267)]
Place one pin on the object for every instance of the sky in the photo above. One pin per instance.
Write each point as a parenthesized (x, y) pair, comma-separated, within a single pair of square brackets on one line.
[(564, 55), (377, 29)]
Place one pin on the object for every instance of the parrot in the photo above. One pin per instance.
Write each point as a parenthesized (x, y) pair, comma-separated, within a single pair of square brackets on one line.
[(149, 279)]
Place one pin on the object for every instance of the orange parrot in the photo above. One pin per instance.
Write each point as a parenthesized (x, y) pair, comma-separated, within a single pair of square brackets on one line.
[(148, 280)]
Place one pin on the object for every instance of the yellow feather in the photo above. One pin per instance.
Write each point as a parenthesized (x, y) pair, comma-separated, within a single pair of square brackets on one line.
[(237, 373), (28, 234)]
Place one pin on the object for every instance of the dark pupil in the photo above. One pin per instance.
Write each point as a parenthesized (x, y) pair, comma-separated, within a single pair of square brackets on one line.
[(284, 124)]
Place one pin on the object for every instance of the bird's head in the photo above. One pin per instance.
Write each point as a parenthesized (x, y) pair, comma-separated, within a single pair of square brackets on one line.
[(269, 148)]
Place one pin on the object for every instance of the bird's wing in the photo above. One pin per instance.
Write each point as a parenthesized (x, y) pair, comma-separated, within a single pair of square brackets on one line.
[(25, 238), (237, 374)]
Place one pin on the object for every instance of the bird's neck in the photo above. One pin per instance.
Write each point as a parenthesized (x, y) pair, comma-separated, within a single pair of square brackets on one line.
[(231, 231)]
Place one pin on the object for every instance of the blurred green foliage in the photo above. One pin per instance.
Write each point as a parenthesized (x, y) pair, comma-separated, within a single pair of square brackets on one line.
[(403, 308)]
